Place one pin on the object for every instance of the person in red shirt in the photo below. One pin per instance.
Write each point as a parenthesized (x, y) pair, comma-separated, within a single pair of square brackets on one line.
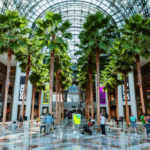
[(90, 124)]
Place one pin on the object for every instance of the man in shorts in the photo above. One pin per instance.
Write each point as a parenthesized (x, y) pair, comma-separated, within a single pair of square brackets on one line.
[(133, 122)]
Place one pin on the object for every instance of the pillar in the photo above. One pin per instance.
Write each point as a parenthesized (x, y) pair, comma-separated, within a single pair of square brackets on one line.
[(42, 102), (28, 101), (16, 93), (132, 94), (120, 101)]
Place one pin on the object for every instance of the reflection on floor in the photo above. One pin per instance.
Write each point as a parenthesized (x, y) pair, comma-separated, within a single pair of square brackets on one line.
[(70, 138)]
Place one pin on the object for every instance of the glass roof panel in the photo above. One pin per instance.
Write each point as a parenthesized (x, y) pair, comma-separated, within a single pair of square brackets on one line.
[(76, 11)]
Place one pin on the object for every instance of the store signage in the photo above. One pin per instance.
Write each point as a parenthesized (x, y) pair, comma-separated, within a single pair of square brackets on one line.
[(102, 94), (128, 92), (46, 95), (22, 83)]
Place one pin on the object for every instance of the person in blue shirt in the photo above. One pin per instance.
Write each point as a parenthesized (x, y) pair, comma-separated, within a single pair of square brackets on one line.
[(133, 121), (49, 121)]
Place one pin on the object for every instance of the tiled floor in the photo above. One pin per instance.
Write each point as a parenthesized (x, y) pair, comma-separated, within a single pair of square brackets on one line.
[(70, 138)]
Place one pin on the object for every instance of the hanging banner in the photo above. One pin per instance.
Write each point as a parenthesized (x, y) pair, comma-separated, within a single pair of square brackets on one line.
[(102, 94), (46, 95), (128, 91), (21, 89)]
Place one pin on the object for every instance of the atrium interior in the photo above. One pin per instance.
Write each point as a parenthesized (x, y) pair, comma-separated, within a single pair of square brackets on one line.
[(76, 61)]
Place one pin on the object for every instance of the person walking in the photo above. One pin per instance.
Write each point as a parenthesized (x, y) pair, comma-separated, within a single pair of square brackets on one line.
[(142, 121), (49, 121), (102, 121), (147, 123), (133, 122)]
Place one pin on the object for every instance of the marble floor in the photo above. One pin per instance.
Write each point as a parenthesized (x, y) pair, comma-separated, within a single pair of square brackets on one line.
[(67, 137)]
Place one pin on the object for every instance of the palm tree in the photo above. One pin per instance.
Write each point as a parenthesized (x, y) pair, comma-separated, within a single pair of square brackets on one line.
[(62, 70), (38, 77), (13, 33), (110, 80), (50, 32), (34, 78), (28, 59), (99, 33), (41, 86), (124, 62), (84, 77), (137, 30)]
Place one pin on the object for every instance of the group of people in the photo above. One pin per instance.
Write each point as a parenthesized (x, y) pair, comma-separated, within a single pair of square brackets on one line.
[(68, 113), (145, 119), (47, 123)]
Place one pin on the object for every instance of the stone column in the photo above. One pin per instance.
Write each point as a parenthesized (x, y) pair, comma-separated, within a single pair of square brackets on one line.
[(16, 93), (28, 100), (132, 94), (120, 101)]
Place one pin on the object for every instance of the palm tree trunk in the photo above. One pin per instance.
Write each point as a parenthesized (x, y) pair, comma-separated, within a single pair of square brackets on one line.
[(117, 113), (92, 115), (140, 82), (56, 97), (98, 81), (25, 86), (87, 102), (62, 105), (6, 87), (40, 103), (109, 113), (126, 99), (91, 85), (59, 102), (51, 81), (33, 100)]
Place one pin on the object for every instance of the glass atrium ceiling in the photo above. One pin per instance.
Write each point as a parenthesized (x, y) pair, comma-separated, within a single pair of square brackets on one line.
[(76, 11)]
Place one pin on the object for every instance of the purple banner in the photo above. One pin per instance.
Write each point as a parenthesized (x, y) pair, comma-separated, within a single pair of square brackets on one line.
[(102, 95)]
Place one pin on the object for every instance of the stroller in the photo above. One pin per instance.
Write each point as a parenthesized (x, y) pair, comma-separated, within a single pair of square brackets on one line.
[(87, 128)]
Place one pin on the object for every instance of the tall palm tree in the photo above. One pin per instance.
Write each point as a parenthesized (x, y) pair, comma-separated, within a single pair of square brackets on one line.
[(123, 59), (41, 86), (50, 31), (111, 80), (13, 33), (84, 77), (62, 70), (99, 33), (137, 30), (38, 77), (28, 59)]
